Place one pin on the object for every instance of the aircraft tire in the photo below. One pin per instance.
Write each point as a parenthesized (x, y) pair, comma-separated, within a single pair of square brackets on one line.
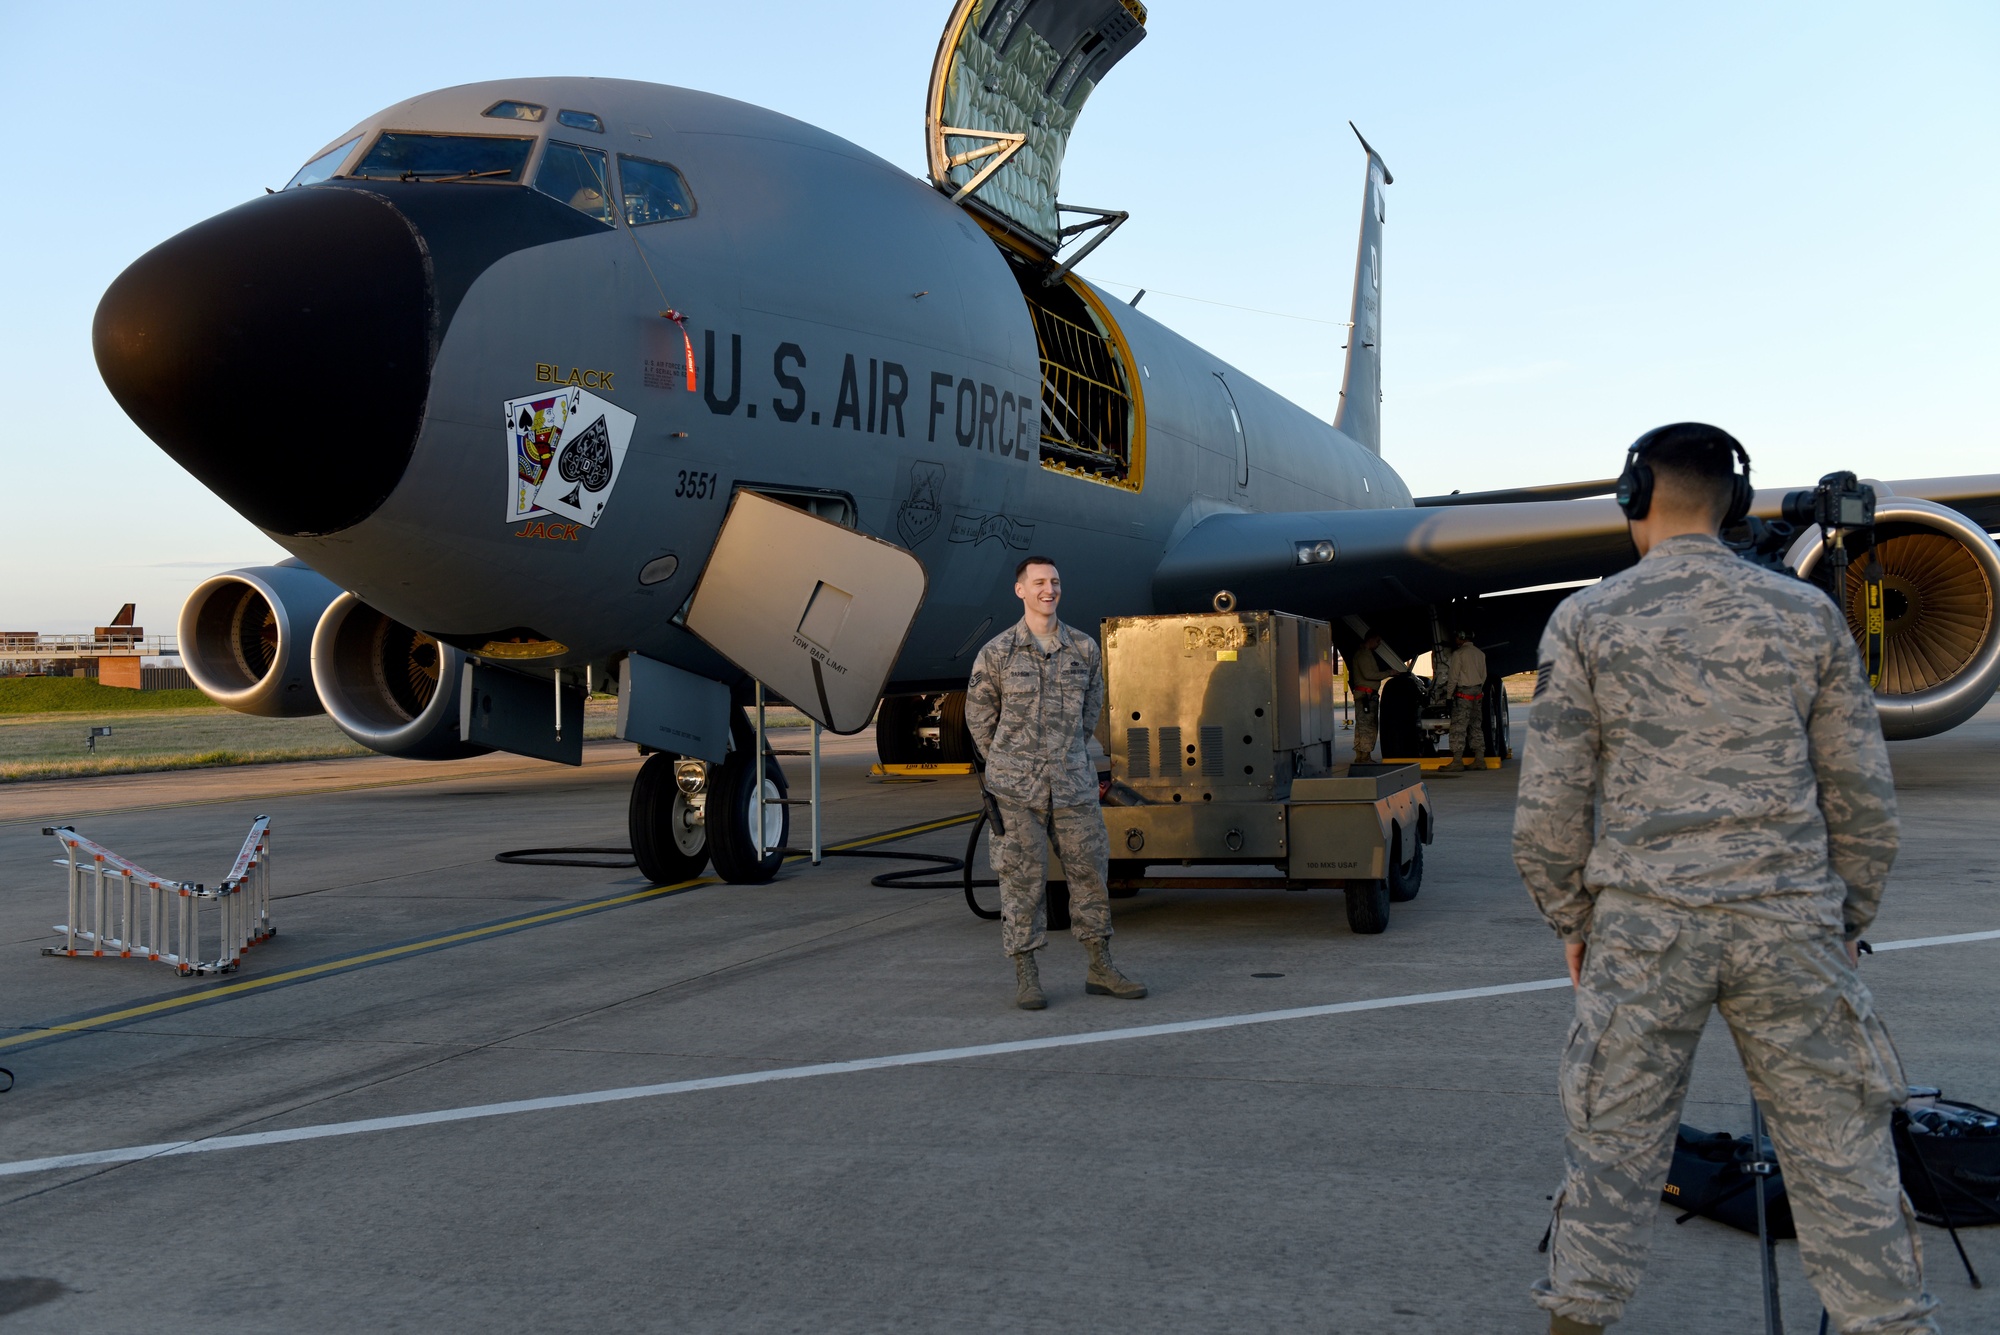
[(898, 740), (1494, 720), (1368, 907), (1404, 882), (667, 845), (1402, 733), (731, 809)]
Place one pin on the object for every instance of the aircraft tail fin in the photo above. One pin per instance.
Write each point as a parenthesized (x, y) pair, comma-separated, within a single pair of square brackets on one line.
[(1360, 414)]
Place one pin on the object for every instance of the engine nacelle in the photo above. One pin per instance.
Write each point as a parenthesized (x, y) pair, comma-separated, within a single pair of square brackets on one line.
[(246, 638), (1941, 613), (390, 688)]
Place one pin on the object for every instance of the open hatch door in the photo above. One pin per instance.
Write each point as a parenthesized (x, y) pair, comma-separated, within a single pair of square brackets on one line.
[(1010, 79), (811, 608)]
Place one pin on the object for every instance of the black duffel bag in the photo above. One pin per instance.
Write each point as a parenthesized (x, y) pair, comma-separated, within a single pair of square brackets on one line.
[(1950, 1157), (1711, 1177)]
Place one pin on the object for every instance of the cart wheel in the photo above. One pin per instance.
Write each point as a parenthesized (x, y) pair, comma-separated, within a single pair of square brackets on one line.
[(1404, 882), (1368, 907), (1124, 869)]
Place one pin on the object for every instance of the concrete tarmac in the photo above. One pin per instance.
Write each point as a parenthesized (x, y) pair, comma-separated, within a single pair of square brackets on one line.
[(1370, 1170)]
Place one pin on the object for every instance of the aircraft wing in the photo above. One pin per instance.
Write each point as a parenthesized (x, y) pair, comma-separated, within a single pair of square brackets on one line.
[(1975, 495), (1389, 567), (1358, 561), (1450, 548)]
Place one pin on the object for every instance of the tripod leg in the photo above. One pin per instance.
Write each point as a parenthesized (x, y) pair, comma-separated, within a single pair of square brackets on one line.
[(1774, 1322)]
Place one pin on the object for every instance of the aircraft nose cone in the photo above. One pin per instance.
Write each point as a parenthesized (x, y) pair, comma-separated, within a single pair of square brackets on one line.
[(280, 352)]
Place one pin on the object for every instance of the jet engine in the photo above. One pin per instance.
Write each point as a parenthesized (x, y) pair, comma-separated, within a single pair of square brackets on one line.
[(1941, 613), (390, 688), (246, 638)]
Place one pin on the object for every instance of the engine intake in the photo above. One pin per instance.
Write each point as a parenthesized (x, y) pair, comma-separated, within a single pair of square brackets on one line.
[(389, 687), (1940, 595), (246, 638)]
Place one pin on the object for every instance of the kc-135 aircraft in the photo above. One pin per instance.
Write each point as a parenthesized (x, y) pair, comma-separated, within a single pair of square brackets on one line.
[(497, 362)]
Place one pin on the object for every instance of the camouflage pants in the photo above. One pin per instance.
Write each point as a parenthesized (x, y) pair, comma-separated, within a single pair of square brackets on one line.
[(1019, 859), (1367, 719), (1466, 718), (1820, 1064)]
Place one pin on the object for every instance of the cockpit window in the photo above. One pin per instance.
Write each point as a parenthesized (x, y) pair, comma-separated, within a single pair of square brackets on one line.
[(515, 111), (405, 155), (581, 120), (654, 191), (579, 177), (323, 166)]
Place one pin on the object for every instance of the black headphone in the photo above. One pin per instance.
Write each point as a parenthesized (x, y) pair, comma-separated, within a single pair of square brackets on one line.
[(1635, 484)]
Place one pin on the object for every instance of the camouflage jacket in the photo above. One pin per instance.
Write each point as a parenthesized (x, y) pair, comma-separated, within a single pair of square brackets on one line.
[(1366, 671), (1702, 735), (1031, 715), (1465, 670)]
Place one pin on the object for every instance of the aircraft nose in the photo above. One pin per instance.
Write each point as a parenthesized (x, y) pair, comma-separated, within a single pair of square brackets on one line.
[(280, 352)]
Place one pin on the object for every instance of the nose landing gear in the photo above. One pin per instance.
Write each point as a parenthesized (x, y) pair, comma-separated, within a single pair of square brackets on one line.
[(686, 814)]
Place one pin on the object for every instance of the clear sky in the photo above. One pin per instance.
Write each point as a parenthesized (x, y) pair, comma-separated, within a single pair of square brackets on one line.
[(1779, 218)]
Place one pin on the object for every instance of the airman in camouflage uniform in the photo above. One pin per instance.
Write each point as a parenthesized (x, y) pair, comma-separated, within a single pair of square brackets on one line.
[(1365, 674), (1031, 706), (1465, 678), (1706, 801)]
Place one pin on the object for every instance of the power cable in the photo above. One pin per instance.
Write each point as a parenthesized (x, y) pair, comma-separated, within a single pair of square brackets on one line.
[(888, 880)]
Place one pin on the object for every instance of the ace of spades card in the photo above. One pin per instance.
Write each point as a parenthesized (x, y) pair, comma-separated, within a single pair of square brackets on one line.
[(585, 465)]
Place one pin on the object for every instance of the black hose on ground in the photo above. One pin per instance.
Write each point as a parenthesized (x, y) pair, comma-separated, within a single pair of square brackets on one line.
[(933, 862), (938, 861), (558, 857)]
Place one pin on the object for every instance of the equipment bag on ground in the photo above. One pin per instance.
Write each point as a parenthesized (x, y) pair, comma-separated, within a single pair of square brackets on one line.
[(1949, 1154), (1711, 1177)]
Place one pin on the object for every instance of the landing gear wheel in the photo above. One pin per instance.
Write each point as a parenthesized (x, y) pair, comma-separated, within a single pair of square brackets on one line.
[(732, 809), (1401, 719), (1493, 710), (1368, 907), (1404, 882), (923, 730), (669, 839)]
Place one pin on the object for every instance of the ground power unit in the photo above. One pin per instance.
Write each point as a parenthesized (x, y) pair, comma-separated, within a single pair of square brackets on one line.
[(1220, 729)]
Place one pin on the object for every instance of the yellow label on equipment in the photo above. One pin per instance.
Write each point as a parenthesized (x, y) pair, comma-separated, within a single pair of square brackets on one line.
[(1225, 655)]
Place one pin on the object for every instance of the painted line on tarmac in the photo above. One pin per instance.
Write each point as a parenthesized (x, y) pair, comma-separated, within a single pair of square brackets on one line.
[(181, 1001), (475, 1112), (1917, 942)]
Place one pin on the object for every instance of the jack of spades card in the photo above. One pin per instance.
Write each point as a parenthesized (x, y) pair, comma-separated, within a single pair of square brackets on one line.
[(535, 427)]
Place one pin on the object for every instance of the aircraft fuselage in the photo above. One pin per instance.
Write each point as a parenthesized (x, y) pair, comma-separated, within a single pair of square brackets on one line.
[(855, 334)]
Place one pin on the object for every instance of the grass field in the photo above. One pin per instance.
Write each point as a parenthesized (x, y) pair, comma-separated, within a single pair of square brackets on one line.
[(46, 695), (48, 744)]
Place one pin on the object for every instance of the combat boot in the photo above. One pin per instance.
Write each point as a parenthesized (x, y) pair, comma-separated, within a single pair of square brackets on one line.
[(1028, 994), (1104, 980), (1564, 1325)]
